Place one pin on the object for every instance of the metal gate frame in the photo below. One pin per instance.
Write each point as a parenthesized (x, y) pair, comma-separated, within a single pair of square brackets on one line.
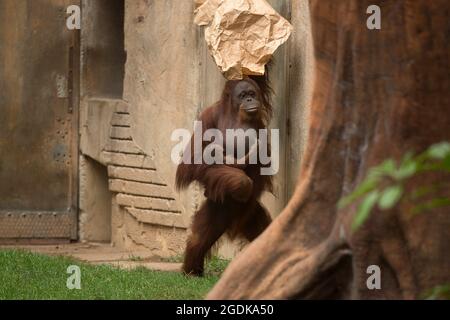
[(47, 226)]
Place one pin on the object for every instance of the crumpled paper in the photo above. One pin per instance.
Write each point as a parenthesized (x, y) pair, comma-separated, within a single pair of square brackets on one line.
[(241, 35)]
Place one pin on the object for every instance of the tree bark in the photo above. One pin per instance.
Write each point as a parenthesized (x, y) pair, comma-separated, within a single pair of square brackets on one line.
[(378, 94)]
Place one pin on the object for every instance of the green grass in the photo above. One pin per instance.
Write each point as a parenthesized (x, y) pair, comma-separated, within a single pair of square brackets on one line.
[(25, 275), (214, 266)]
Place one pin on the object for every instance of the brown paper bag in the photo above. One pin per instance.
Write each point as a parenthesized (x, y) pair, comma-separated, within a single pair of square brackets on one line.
[(241, 35)]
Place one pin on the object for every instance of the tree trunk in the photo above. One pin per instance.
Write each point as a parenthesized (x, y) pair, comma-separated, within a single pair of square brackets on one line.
[(378, 94)]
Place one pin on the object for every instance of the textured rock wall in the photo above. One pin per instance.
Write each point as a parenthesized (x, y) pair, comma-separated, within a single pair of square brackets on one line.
[(169, 78)]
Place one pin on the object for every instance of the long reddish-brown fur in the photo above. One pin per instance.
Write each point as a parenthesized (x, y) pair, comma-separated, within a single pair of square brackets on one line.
[(232, 191)]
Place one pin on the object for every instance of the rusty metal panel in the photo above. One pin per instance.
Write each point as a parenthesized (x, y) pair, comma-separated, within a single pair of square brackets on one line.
[(35, 225), (39, 63)]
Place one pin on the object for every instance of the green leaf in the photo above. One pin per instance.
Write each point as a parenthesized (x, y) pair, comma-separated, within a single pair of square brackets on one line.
[(432, 204), (364, 209), (388, 167), (366, 186), (421, 192), (371, 181), (439, 150), (408, 157), (439, 292), (378, 172), (390, 197), (407, 169), (446, 163)]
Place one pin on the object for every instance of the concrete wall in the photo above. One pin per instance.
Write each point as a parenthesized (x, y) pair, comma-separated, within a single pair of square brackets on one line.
[(162, 80), (169, 78), (95, 201), (300, 77)]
